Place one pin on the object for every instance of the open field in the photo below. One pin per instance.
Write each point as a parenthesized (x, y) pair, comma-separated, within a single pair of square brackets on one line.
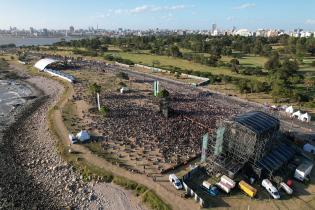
[(166, 61)]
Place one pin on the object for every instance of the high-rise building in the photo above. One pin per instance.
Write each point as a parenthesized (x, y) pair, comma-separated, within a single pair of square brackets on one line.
[(45, 32), (71, 29), (214, 27), (32, 30)]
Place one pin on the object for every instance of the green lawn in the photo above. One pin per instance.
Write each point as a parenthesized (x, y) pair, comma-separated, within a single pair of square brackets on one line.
[(166, 61), (249, 60)]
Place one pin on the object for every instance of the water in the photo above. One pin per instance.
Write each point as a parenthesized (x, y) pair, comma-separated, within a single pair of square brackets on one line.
[(12, 94), (20, 41)]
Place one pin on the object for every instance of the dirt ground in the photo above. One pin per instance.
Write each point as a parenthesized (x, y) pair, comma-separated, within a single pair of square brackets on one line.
[(304, 200), (110, 196)]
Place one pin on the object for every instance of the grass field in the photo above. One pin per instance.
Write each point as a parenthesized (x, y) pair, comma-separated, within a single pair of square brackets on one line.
[(166, 61), (249, 60)]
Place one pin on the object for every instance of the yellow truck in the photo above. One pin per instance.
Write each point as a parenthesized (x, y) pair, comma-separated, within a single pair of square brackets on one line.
[(249, 190)]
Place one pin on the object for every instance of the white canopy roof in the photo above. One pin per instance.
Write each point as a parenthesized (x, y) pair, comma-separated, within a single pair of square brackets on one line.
[(43, 63), (83, 135), (289, 109), (305, 117), (297, 114)]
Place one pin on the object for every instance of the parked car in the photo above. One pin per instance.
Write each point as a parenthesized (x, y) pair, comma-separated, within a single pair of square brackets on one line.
[(213, 190), (270, 188), (175, 181)]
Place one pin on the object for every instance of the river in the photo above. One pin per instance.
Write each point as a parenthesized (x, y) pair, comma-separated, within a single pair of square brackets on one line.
[(27, 41)]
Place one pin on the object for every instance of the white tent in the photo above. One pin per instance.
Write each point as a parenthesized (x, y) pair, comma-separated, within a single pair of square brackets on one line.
[(289, 110), (83, 136), (297, 114), (305, 117), (124, 89)]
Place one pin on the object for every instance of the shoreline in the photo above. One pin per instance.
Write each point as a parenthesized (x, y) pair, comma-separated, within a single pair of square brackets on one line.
[(32, 172)]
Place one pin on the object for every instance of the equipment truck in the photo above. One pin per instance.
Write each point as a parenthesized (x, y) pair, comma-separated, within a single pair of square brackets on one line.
[(249, 190), (303, 171)]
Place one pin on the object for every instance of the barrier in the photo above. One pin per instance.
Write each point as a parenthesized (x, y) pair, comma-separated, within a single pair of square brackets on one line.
[(154, 69), (64, 76)]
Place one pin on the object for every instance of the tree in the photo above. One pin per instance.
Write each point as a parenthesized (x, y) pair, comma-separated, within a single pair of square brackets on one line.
[(309, 83), (273, 62), (310, 45), (174, 51), (235, 65), (104, 110), (280, 90), (163, 94)]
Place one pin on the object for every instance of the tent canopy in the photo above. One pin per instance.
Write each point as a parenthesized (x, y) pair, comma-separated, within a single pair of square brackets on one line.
[(305, 117), (289, 109), (297, 114)]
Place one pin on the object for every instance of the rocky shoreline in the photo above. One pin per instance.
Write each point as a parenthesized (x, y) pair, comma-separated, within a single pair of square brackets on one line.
[(33, 175)]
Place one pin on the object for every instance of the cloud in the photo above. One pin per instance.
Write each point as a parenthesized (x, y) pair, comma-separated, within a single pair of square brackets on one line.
[(142, 9), (310, 21), (245, 6)]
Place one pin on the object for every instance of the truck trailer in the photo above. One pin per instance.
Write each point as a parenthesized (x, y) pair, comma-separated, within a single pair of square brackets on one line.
[(248, 189), (303, 171)]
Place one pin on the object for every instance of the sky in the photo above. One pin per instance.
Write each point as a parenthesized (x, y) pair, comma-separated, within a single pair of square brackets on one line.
[(163, 14)]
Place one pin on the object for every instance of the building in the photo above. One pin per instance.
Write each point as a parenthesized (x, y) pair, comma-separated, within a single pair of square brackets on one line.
[(243, 32), (71, 29)]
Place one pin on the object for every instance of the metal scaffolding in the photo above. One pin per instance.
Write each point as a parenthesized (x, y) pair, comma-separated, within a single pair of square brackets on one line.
[(245, 139)]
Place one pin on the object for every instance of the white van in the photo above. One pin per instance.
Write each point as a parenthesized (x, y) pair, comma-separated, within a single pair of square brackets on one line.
[(286, 188), (175, 181), (270, 188)]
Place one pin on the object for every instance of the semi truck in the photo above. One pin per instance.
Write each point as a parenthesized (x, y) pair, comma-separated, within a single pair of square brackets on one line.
[(248, 189)]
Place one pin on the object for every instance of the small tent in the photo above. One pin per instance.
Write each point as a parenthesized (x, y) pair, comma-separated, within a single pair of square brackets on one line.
[(83, 136), (297, 114), (305, 117), (289, 110), (124, 89)]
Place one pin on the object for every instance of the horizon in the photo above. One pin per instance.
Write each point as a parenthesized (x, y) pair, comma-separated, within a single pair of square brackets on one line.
[(144, 15)]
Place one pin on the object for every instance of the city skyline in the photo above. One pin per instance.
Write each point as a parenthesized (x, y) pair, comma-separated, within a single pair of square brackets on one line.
[(176, 14)]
